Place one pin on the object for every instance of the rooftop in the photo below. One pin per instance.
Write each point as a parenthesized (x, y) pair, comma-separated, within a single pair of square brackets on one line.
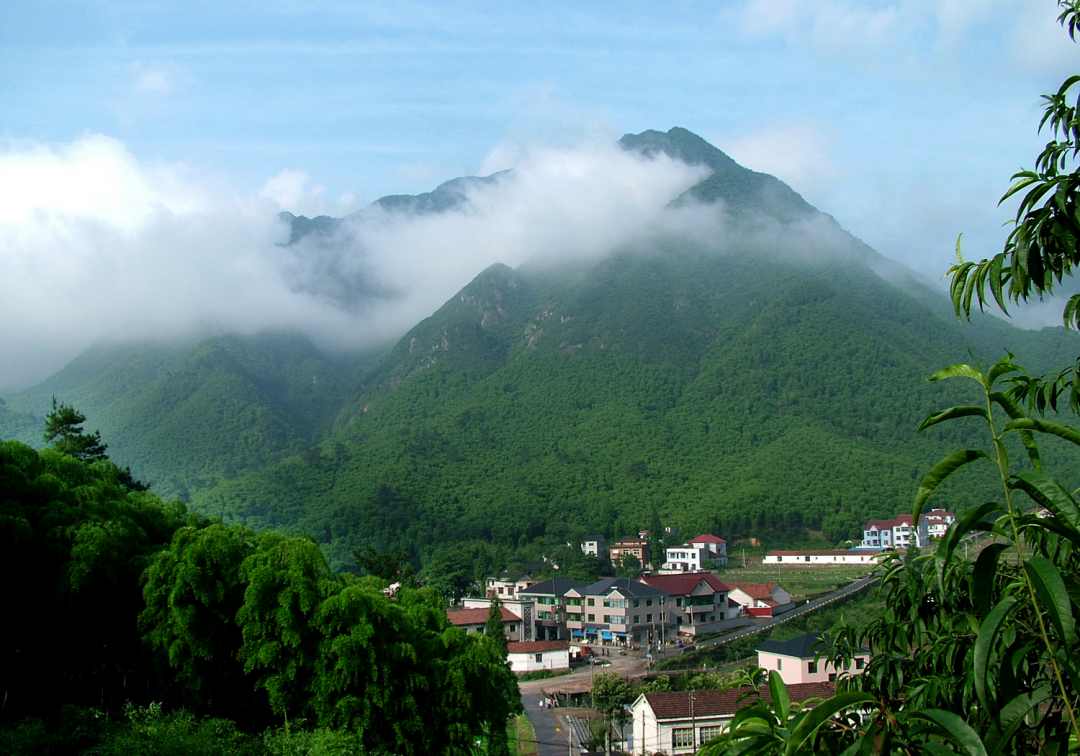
[(459, 617), (625, 586), (556, 586), (805, 646), (684, 583), (710, 703), (538, 647), (755, 590), (707, 538)]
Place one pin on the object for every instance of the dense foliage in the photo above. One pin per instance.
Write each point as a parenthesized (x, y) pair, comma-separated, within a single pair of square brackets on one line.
[(122, 598)]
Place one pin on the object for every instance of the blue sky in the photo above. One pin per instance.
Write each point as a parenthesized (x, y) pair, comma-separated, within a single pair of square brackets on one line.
[(902, 119)]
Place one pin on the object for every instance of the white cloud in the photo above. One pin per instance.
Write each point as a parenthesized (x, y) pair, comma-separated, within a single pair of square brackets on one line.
[(799, 154), (95, 243)]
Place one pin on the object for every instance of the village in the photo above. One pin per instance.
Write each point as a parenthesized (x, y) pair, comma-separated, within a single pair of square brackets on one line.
[(557, 625)]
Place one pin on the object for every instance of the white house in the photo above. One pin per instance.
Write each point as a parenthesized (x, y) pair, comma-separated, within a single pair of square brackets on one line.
[(524, 607), (681, 722), (901, 533), (796, 660), (537, 655), (595, 545), (474, 621), (694, 555), (824, 556), (508, 584)]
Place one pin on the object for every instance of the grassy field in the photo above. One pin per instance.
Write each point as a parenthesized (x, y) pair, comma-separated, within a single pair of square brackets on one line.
[(809, 580), (521, 729)]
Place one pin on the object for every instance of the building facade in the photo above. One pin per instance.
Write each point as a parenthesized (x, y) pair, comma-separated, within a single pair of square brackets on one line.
[(797, 660), (637, 547), (474, 621), (681, 722), (617, 611), (697, 602), (696, 554), (549, 596)]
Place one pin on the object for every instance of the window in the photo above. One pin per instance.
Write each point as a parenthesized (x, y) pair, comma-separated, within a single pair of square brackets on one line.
[(712, 618), (648, 602), (539, 658), (513, 628), (678, 602), (678, 620), (708, 733), (648, 618), (637, 619), (682, 737), (779, 664), (859, 662), (500, 590), (592, 618), (573, 602), (546, 600), (592, 602), (811, 668), (637, 603)]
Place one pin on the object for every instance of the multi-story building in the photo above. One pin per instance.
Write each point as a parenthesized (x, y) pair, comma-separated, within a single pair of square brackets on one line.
[(594, 545), (550, 599), (901, 532), (638, 547), (618, 611), (698, 601), (695, 554), (508, 584)]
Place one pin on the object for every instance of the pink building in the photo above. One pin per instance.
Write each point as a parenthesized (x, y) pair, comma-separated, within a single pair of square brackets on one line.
[(797, 659)]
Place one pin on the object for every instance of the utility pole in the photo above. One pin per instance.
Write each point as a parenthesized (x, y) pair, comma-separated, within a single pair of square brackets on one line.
[(693, 724)]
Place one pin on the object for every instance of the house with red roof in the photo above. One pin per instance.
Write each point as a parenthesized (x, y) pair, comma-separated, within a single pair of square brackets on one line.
[(537, 655), (760, 599), (474, 621), (698, 603), (902, 533), (695, 554), (682, 721)]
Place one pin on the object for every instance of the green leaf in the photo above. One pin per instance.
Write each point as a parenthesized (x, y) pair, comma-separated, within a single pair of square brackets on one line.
[(778, 691), (959, 371), (940, 472), (955, 729), (1050, 589), (984, 576), (1014, 411), (1046, 491), (964, 524), (950, 414), (1043, 426), (984, 646), (821, 714), (1012, 716)]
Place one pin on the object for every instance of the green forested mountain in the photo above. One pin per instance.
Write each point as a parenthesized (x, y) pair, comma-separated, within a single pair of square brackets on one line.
[(766, 382), (185, 416), (731, 393)]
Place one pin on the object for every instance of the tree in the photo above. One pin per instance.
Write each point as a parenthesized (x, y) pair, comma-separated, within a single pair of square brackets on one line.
[(610, 695), (1042, 248), (64, 432), (391, 566)]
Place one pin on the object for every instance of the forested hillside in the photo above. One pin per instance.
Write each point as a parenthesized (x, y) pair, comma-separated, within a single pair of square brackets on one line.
[(185, 416), (733, 394)]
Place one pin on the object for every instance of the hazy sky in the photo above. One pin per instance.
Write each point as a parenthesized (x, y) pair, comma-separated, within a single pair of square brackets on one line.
[(144, 146)]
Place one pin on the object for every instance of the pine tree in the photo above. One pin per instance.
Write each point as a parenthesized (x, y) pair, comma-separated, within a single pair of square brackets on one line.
[(64, 433)]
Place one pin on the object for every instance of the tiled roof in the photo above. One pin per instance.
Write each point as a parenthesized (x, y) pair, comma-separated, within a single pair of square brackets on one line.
[(811, 552), (538, 647), (879, 524), (803, 646), (683, 583), (556, 586), (755, 590), (461, 617), (707, 538), (711, 703), (625, 586)]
